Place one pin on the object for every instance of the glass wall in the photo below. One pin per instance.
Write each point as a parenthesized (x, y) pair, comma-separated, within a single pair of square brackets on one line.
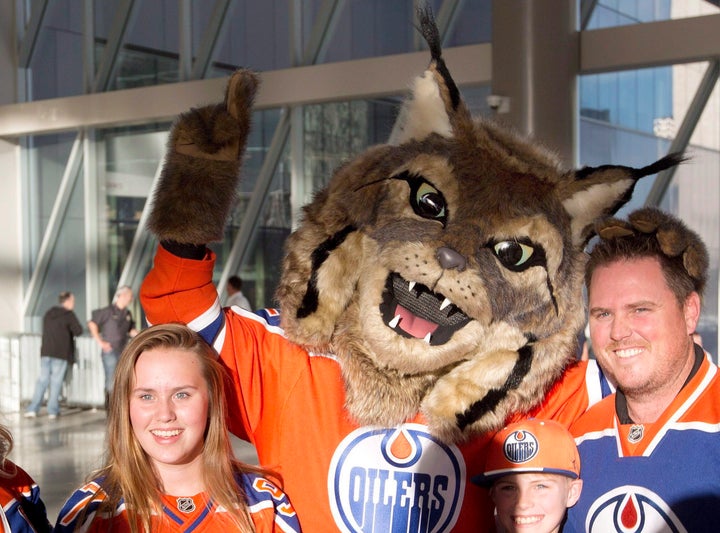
[(53, 221), (139, 44), (608, 13)]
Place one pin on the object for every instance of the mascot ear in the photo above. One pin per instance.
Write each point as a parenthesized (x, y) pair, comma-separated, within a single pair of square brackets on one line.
[(435, 105), (596, 192)]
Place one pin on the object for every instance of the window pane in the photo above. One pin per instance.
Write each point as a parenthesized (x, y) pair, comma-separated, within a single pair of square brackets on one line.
[(608, 13)]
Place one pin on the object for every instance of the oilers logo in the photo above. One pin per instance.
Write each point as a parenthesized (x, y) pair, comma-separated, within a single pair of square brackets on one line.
[(396, 479), (520, 447), (631, 509)]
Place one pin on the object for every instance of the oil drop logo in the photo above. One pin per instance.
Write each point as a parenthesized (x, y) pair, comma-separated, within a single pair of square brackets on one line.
[(631, 509), (396, 479)]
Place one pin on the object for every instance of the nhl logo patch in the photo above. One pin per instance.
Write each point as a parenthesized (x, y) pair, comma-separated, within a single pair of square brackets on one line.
[(636, 433), (185, 505)]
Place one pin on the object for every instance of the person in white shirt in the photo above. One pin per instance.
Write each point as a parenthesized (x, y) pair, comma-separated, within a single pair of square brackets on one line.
[(235, 295)]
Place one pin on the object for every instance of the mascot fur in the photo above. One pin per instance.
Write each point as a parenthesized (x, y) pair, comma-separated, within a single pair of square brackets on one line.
[(442, 270)]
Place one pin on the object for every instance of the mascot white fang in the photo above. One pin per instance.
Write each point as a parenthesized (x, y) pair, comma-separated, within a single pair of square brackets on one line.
[(431, 292)]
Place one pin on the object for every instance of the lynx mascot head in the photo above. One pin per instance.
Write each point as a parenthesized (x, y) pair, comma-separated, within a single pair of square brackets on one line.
[(443, 269)]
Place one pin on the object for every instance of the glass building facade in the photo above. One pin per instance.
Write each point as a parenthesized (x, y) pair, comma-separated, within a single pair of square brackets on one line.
[(100, 81)]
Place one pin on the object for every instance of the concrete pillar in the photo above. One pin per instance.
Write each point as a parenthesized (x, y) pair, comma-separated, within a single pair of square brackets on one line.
[(10, 272), (535, 61)]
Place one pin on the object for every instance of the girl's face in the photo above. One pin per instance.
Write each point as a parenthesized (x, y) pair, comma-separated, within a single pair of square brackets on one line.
[(169, 407), (534, 502)]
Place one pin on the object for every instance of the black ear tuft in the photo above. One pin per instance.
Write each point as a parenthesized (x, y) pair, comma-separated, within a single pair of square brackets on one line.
[(429, 30), (666, 162)]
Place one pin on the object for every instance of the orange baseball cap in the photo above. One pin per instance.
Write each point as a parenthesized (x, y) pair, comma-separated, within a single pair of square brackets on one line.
[(531, 445)]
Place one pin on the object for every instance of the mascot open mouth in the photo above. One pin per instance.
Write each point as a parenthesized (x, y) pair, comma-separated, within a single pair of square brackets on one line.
[(414, 311)]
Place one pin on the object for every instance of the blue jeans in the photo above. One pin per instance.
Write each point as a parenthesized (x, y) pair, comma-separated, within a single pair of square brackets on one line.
[(109, 360), (52, 373)]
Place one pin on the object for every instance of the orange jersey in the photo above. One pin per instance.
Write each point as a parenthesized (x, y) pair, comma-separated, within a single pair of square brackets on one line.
[(268, 506), (290, 404)]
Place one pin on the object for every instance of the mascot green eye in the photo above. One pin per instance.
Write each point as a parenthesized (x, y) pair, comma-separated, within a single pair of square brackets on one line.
[(428, 202), (425, 199), (517, 256)]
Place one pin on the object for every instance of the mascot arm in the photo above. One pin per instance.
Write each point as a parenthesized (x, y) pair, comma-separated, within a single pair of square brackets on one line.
[(180, 290)]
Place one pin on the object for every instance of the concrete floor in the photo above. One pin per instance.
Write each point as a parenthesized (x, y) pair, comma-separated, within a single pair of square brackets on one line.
[(60, 454)]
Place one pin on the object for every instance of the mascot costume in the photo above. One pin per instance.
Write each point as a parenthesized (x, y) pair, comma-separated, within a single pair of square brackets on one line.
[(432, 291)]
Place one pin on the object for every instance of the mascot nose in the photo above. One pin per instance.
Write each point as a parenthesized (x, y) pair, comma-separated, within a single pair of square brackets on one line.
[(449, 259)]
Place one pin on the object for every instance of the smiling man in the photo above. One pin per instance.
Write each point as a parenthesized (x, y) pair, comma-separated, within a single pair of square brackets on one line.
[(650, 451)]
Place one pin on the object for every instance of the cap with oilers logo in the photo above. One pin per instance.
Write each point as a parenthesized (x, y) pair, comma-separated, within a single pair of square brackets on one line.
[(531, 445)]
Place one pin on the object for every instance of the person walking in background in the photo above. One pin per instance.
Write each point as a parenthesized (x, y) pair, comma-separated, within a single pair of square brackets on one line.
[(21, 508), (235, 295), (170, 463), (60, 327), (112, 327)]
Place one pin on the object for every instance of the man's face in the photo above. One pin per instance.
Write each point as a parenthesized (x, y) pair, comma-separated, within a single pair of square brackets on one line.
[(641, 336), (123, 299)]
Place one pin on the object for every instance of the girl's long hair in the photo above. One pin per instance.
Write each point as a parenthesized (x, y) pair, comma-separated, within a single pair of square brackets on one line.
[(128, 472)]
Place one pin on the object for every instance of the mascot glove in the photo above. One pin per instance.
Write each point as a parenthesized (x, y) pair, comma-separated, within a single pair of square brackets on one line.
[(198, 183)]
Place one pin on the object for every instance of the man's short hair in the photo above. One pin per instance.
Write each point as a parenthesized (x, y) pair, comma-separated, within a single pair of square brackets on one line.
[(122, 289), (235, 282), (64, 296), (652, 233)]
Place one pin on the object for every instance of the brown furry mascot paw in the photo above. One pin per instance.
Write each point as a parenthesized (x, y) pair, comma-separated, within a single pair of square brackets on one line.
[(198, 183)]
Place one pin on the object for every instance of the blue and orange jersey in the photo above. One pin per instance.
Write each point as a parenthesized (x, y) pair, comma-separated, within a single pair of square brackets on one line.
[(268, 507), (22, 510), (661, 476)]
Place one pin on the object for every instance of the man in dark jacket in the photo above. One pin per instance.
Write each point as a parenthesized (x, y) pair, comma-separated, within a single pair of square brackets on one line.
[(60, 327)]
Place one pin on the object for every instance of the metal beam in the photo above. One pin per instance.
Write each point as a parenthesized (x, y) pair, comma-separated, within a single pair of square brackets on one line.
[(95, 215), (682, 139), (88, 45), (31, 33), (447, 17), (185, 39), (57, 215), (123, 19), (586, 10), (667, 42), (323, 30), (213, 34), (131, 274), (345, 80)]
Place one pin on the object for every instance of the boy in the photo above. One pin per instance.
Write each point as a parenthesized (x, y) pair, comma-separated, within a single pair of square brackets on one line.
[(533, 473)]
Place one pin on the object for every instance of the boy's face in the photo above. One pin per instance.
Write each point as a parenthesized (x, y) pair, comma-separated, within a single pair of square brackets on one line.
[(534, 502)]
